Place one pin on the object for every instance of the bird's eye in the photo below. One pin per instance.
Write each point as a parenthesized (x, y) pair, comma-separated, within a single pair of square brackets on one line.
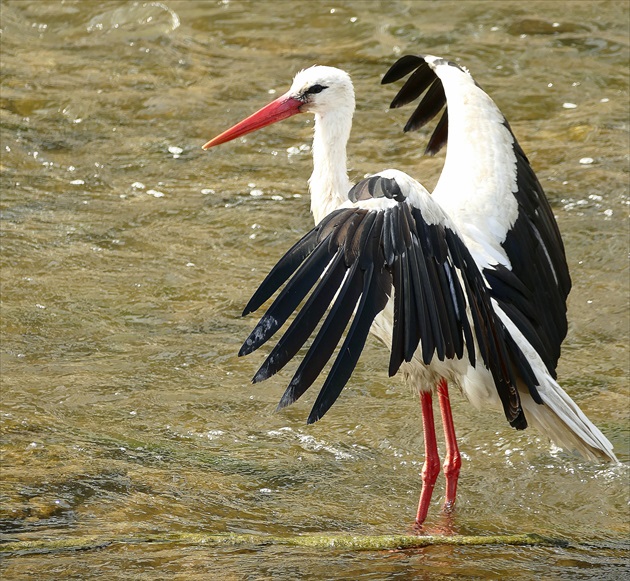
[(315, 89)]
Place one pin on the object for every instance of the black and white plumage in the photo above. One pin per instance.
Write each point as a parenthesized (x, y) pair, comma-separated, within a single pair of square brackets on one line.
[(467, 284)]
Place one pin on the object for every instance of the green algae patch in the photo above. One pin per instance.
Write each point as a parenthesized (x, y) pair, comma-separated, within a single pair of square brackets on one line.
[(316, 541)]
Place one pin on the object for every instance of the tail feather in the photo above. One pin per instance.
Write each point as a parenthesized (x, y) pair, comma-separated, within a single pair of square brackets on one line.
[(561, 419), (558, 417)]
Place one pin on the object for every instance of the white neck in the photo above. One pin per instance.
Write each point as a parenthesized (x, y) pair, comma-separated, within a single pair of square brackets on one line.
[(329, 183)]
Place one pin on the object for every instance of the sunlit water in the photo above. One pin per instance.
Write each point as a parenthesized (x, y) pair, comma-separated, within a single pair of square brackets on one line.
[(128, 255)]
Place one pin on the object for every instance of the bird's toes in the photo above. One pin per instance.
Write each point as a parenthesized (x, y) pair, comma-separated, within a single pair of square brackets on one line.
[(417, 528), (449, 507)]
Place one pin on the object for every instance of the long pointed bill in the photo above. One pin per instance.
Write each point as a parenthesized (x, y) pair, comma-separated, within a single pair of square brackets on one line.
[(277, 110)]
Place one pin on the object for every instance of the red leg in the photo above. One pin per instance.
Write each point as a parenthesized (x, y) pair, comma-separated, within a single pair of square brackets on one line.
[(431, 467), (452, 460)]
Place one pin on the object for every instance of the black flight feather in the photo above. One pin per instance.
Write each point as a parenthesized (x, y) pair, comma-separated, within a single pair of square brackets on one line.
[(428, 108), (401, 68), (416, 326), (397, 353), (281, 272), (304, 324), (288, 299), (373, 301), (327, 338), (439, 136), (416, 84)]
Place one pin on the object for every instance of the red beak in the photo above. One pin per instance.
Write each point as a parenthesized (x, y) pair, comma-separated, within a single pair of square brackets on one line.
[(281, 108)]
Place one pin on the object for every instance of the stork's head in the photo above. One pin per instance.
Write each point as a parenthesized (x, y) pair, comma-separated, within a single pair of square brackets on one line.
[(320, 90)]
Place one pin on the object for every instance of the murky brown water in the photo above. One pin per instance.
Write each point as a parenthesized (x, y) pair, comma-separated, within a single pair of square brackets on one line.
[(128, 254)]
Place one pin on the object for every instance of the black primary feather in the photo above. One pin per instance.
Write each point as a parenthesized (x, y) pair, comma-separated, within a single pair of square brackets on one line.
[(308, 318), (419, 81), (423, 78), (401, 68), (327, 338), (429, 107), (288, 299)]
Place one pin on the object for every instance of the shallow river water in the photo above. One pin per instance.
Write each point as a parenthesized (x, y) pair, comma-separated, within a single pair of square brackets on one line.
[(128, 254)]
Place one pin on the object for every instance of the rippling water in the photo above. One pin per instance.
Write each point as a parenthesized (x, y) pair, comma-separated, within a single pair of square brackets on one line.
[(128, 254)]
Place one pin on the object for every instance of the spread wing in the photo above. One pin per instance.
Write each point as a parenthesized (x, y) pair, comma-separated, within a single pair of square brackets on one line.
[(393, 243)]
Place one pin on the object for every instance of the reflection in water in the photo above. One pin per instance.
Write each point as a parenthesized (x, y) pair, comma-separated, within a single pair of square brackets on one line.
[(125, 408)]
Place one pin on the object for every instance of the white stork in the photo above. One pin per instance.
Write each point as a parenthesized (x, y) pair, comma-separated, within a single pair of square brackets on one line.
[(465, 285)]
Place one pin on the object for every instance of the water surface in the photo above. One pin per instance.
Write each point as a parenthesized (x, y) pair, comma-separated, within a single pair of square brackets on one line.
[(128, 254)]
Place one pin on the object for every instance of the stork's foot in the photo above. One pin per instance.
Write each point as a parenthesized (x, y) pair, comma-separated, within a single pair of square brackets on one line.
[(445, 526), (449, 507)]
